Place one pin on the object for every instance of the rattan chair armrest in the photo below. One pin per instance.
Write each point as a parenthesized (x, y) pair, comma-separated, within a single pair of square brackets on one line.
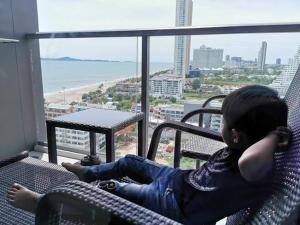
[(102, 206), (188, 128), (13, 159), (212, 98), (201, 111)]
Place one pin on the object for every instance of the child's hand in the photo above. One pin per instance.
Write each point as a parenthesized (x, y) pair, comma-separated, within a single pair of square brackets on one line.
[(257, 160), (283, 135)]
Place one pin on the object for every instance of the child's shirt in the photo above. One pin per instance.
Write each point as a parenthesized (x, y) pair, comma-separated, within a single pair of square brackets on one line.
[(217, 189)]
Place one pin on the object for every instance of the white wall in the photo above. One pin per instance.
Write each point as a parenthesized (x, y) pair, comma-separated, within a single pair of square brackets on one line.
[(21, 99)]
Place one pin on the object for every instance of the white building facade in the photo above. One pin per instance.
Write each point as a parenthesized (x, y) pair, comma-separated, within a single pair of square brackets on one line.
[(168, 112), (216, 122), (166, 86), (128, 88), (283, 81), (206, 57)]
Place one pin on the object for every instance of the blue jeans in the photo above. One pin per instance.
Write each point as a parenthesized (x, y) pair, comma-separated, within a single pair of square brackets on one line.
[(156, 189)]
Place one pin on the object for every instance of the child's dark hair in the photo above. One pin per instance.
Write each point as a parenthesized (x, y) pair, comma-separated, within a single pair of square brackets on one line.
[(255, 110)]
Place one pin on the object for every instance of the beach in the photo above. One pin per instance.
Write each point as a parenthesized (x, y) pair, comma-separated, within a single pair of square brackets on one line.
[(75, 94), (73, 79)]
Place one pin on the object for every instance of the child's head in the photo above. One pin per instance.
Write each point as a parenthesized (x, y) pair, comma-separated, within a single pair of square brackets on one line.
[(250, 113)]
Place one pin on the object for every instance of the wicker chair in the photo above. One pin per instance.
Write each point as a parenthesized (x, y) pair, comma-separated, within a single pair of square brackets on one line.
[(35, 174), (282, 205), (76, 202)]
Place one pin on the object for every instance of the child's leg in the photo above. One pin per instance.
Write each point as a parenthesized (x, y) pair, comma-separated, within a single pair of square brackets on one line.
[(159, 196), (135, 167), (23, 198), (132, 192)]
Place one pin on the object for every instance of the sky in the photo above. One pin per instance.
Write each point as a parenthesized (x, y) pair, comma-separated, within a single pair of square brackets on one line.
[(74, 15)]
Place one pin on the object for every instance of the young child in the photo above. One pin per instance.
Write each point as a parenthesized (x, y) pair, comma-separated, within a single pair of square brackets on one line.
[(232, 179)]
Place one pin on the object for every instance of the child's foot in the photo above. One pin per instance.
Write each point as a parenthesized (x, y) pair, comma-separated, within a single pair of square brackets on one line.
[(78, 170), (23, 198)]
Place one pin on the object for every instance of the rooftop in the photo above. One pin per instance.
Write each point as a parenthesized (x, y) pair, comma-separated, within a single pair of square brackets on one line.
[(59, 106), (168, 77)]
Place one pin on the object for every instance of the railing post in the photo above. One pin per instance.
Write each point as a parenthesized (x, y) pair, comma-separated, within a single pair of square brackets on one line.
[(142, 150)]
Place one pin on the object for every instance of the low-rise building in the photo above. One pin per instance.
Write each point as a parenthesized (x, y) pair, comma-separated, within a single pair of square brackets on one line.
[(107, 105), (128, 88), (166, 86), (216, 120), (136, 108), (211, 121), (210, 88), (168, 112), (227, 89), (53, 110), (196, 72)]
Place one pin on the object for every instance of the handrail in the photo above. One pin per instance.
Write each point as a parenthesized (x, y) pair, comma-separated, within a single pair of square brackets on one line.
[(204, 30), (6, 40)]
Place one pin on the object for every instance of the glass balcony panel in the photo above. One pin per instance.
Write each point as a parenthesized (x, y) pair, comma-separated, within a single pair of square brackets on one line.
[(215, 65), (75, 78), (69, 67)]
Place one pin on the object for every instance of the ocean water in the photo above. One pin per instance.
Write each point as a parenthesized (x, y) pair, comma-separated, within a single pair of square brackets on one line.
[(59, 74)]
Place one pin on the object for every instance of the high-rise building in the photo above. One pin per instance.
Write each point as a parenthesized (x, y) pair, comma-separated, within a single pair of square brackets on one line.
[(184, 10), (227, 61), (206, 57), (283, 81), (261, 61), (278, 61), (236, 62)]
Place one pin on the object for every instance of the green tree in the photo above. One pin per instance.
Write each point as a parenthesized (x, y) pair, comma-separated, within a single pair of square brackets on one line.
[(173, 100), (84, 97), (196, 84)]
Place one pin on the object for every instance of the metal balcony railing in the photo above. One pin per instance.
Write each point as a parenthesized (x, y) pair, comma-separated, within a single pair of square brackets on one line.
[(145, 34), (6, 40)]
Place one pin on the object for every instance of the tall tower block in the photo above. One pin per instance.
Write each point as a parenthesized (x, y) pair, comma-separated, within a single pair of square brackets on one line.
[(184, 10)]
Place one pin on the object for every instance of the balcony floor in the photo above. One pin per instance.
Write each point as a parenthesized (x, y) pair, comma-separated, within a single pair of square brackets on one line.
[(44, 157)]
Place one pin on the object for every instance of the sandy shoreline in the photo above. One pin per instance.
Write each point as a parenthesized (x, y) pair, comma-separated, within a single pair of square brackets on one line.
[(75, 94)]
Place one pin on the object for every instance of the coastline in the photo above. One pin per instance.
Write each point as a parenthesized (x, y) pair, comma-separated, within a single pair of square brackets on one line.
[(75, 94)]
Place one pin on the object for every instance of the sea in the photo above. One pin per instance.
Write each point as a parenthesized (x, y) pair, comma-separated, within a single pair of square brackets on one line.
[(59, 74)]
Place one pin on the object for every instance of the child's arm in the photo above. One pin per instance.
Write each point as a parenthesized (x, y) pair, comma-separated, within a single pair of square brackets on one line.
[(257, 161)]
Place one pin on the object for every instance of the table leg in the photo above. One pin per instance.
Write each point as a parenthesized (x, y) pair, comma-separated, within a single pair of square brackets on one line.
[(141, 139), (51, 136), (110, 146), (92, 143), (198, 163)]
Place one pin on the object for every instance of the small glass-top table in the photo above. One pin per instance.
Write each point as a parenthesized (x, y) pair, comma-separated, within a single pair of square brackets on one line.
[(94, 121)]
